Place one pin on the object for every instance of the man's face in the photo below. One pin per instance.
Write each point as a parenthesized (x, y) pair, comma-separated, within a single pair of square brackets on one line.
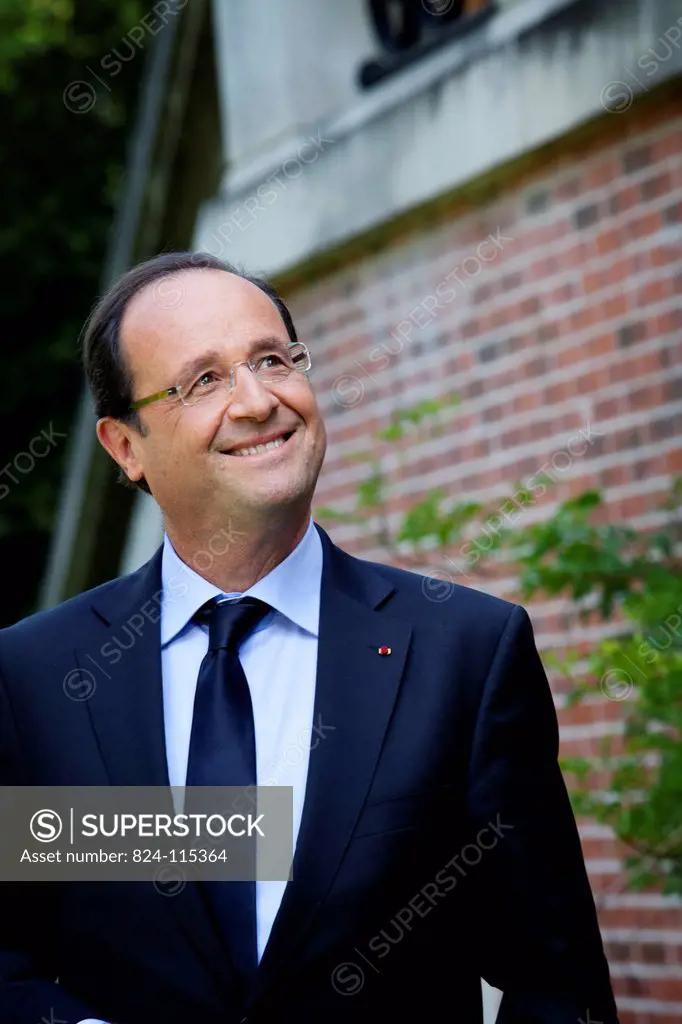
[(184, 453)]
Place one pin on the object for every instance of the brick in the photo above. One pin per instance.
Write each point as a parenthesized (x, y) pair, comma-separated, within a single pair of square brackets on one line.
[(668, 145), (624, 199), (586, 216), (606, 409), (537, 202), (614, 476), (669, 988), (594, 281), (524, 403), (558, 392), (609, 241), (674, 461), (548, 332), (530, 307), (568, 189), (642, 398), (601, 173), (668, 323), (498, 318), (567, 356), (653, 292), (564, 293), (662, 428), (483, 293), (616, 306), (630, 334), (637, 159), (664, 255), (600, 345), (641, 226), (673, 214), (545, 267), (657, 186), (488, 353), (673, 389), (511, 281), (653, 953)]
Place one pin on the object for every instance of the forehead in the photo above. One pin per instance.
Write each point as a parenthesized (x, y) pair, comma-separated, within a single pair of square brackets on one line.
[(182, 314)]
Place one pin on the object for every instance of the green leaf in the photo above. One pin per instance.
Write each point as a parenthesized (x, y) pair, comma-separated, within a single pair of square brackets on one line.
[(392, 433), (369, 492)]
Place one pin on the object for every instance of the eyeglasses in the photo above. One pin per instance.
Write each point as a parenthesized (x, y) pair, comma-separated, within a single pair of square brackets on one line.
[(272, 366)]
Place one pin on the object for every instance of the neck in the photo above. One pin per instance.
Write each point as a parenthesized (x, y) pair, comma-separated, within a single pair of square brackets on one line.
[(235, 555)]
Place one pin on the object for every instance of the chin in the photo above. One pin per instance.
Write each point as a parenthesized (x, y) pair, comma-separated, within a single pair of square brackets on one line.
[(273, 497)]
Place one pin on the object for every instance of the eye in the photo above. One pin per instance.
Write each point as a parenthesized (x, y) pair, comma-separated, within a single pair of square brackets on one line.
[(208, 380), (272, 360)]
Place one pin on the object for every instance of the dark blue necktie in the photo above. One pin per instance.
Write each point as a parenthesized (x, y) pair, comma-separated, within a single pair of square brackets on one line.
[(222, 752)]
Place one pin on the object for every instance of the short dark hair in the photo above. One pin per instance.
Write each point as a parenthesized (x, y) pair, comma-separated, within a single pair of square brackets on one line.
[(108, 374)]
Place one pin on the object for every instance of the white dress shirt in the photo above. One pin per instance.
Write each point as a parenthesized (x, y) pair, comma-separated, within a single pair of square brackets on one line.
[(279, 659)]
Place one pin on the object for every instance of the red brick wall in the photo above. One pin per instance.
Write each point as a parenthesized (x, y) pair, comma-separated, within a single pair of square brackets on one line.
[(573, 322)]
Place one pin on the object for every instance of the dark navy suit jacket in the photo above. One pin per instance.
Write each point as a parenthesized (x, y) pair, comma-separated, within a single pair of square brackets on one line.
[(437, 843)]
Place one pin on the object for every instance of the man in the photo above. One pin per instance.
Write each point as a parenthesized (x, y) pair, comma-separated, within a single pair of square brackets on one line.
[(434, 841)]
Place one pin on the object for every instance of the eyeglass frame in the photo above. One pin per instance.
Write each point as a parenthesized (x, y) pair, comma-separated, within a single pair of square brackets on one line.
[(176, 390)]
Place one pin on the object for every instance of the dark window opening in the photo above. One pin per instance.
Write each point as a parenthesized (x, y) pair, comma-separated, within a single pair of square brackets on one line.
[(408, 30)]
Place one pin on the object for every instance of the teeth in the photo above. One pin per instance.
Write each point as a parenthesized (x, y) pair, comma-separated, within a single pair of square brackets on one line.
[(277, 443)]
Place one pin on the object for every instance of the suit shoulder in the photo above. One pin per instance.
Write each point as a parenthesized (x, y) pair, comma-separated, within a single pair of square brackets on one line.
[(38, 626), (443, 592)]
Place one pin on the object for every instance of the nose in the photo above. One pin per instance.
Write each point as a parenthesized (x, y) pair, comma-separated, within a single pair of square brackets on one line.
[(250, 399)]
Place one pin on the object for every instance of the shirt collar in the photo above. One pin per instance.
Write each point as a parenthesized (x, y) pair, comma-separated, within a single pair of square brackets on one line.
[(291, 588)]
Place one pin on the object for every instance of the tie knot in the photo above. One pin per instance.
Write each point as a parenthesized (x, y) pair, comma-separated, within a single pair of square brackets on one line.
[(230, 621)]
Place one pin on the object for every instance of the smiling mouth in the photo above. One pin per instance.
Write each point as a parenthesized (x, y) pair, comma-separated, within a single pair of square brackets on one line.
[(260, 448)]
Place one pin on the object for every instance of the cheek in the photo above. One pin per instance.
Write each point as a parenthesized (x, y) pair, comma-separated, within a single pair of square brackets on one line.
[(308, 409), (193, 435), (173, 451)]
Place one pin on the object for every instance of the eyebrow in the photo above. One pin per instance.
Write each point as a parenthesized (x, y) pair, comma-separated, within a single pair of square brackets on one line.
[(213, 355)]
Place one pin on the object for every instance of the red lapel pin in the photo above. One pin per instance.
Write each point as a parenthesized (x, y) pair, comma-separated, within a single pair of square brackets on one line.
[(384, 650)]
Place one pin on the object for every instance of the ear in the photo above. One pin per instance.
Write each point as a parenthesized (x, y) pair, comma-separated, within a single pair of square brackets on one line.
[(121, 441)]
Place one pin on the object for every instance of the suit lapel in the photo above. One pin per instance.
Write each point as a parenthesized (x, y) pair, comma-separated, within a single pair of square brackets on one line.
[(126, 707), (126, 711), (355, 692)]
